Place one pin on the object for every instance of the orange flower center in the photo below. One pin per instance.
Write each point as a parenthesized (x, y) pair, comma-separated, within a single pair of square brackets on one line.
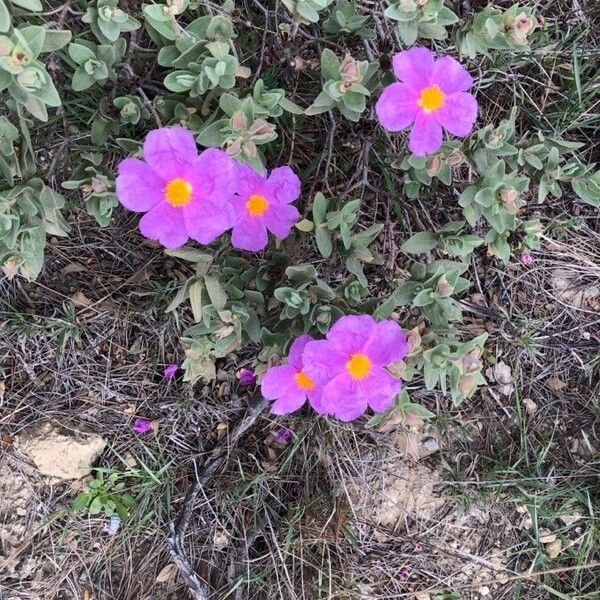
[(303, 381), (431, 98), (178, 192), (359, 366), (257, 205)]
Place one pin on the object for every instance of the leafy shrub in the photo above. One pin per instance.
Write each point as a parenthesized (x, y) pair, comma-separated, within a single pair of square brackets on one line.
[(183, 63)]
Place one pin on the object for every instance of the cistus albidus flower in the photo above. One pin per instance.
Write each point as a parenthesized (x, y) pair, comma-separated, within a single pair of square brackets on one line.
[(263, 203), (289, 385), (184, 194), (350, 365), (431, 95)]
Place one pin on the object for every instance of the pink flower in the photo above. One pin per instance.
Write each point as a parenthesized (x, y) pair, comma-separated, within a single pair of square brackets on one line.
[(263, 203), (184, 195), (142, 426), (170, 371), (350, 365), (289, 385), (432, 94), (247, 377)]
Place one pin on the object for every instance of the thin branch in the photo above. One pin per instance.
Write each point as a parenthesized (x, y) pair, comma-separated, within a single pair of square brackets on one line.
[(198, 588)]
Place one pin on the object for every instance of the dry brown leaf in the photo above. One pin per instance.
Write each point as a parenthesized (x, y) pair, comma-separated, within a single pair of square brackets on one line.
[(556, 384), (6, 441), (166, 573), (73, 268), (530, 406), (221, 539), (81, 299)]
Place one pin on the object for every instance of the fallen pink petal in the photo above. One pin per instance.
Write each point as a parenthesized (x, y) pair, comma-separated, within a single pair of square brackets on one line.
[(247, 376), (526, 258), (283, 434), (170, 371), (142, 425)]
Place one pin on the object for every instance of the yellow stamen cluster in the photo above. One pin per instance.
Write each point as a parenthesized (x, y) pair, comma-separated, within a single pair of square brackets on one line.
[(178, 192), (432, 98)]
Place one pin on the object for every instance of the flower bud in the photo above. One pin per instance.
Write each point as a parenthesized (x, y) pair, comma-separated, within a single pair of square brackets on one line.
[(455, 158), (408, 5), (433, 165), (261, 130), (98, 185), (413, 339), (444, 289), (249, 149), (510, 197), (471, 363), (30, 79), (6, 46), (239, 121), (466, 385), (349, 69), (520, 27)]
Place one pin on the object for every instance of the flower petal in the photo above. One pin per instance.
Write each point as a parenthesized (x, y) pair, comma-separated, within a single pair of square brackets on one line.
[(380, 389), (450, 75), (296, 349), (386, 343), (344, 399), (213, 175), (165, 224), (426, 135), (248, 181), (414, 67), (291, 401), (459, 113), (314, 399), (349, 334), (280, 219), (322, 361), (397, 106), (138, 186), (277, 381), (284, 184), (206, 219), (170, 151), (249, 233)]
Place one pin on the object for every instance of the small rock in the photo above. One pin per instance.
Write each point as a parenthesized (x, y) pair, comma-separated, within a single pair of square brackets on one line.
[(484, 590), (569, 520), (554, 548), (59, 452), (422, 596), (502, 578), (546, 537)]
